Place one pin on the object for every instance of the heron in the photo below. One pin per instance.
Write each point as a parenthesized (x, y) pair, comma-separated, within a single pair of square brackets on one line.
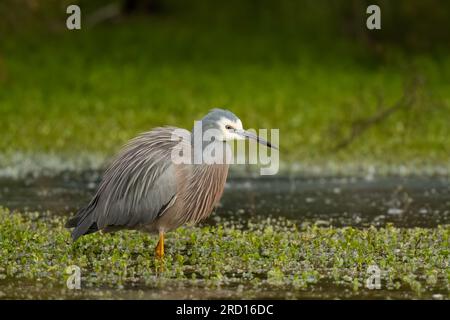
[(144, 189)]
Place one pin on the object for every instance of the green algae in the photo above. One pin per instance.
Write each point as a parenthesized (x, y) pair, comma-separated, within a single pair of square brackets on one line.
[(258, 256)]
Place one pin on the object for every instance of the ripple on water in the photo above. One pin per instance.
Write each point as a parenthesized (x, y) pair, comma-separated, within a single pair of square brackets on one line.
[(343, 201)]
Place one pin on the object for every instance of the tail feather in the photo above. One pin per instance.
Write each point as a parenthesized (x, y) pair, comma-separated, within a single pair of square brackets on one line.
[(83, 223), (72, 222)]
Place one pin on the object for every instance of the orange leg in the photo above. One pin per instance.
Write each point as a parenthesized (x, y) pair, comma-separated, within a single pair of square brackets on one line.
[(159, 250)]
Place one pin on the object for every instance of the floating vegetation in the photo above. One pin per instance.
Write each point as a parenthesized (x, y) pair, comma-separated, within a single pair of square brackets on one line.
[(257, 258)]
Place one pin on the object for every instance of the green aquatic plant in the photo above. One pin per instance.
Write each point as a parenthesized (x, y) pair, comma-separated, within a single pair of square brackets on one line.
[(259, 256)]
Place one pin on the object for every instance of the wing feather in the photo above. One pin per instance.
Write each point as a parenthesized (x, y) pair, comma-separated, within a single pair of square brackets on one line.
[(139, 184)]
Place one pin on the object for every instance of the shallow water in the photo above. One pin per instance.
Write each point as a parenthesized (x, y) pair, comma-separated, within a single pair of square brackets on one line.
[(337, 201), (172, 290)]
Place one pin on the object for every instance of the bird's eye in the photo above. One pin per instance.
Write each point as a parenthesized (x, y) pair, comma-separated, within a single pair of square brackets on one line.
[(228, 127)]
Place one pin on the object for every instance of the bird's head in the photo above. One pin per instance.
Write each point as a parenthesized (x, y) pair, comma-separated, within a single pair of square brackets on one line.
[(228, 127)]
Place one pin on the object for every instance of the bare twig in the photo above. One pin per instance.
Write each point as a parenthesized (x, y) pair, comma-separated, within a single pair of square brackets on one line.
[(360, 126), (108, 12)]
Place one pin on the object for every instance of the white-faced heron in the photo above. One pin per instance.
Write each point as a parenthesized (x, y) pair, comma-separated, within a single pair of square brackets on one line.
[(145, 189)]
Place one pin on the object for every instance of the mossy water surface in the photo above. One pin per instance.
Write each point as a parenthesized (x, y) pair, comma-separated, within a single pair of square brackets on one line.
[(259, 258)]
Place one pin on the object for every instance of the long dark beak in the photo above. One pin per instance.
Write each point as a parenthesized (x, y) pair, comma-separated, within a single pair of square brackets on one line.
[(250, 135)]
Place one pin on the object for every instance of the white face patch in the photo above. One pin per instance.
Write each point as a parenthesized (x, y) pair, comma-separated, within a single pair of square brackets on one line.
[(226, 126)]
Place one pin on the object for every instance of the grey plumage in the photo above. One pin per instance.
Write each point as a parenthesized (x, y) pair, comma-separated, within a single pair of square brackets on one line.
[(134, 189), (144, 189)]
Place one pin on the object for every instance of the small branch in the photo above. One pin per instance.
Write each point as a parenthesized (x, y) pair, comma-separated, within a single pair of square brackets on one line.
[(108, 12), (360, 126)]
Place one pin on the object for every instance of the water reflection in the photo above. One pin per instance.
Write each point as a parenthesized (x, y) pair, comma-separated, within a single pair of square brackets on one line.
[(338, 201)]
